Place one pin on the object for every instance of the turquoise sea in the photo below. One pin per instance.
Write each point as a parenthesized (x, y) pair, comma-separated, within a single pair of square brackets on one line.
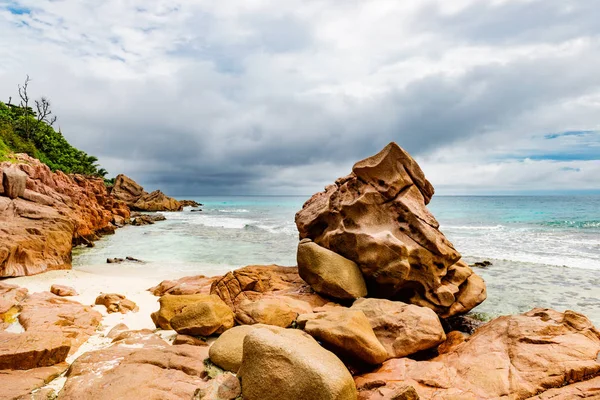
[(545, 250)]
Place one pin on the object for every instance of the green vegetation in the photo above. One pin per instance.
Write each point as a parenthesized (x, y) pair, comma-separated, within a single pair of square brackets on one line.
[(23, 130)]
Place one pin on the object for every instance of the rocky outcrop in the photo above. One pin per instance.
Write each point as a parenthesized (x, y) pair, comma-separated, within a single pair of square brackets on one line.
[(223, 387), (272, 283), (45, 312), (115, 302), (32, 349), (402, 328), (128, 191), (187, 285), (346, 333), (377, 217), (515, 357), (53, 212), (19, 384), (289, 364), (329, 273), (141, 367), (280, 312)]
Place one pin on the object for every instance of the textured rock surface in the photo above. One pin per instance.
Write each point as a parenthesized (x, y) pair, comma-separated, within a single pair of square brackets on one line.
[(345, 332), (402, 328), (32, 349), (223, 387), (291, 365), (55, 210), (269, 311), (18, 384), (186, 285), (62, 290), (206, 312), (226, 352), (128, 191), (203, 318), (10, 296), (377, 217), (256, 282), (142, 367), (45, 312), (514, 357), (115, 302), (13, 182), (329, 273)]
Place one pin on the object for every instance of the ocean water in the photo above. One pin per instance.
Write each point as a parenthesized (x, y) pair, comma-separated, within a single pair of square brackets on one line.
[(545, 250)]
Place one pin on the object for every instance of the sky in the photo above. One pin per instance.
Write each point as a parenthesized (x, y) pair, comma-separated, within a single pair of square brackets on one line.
[(282, 97)]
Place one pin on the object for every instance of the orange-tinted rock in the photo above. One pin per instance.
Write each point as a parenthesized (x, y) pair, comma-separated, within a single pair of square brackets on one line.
[(32, 349), (270, 311), (13, 182), (453, 339), (377, 217), (257, 282), (402, 328), (589, 390), (56, 210), (186, 285), (10, 296), (224, 387), (18, 384), (185, 339), (116, 303), (139, 369), (62, 290), (514, 357), (345, 332), (44, 311), (128, 191), (203, 318), (156, 201)]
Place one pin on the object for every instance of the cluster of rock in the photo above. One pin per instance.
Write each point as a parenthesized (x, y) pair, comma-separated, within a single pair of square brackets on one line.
[(44, 213), (132, 194)]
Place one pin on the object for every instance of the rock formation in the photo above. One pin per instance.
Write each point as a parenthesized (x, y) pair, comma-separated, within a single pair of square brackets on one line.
[(288, 364), (377, 217), (513, 357), (128, 191), (39, 222)]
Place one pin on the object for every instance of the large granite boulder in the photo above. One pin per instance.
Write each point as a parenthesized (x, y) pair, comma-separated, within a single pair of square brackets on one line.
[(328, 273), (128, 191), (228, 349), (377, 217), (193, 314), (14, 182), (186, 285), (204, 318), (345, 332), (512, 357), (402, 328), (288, 364)]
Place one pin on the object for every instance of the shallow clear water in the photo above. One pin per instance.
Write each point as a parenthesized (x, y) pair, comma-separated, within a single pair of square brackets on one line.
[(545, 250)]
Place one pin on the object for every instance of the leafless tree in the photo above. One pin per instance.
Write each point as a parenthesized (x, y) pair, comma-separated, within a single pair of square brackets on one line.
[(43, 111), (25, 105), (42, 106)]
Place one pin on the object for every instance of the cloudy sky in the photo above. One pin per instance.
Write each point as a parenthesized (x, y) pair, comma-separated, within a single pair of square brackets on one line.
[(282, 97)]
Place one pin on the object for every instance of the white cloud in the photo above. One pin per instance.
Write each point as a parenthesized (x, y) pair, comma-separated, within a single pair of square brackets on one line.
[(259, 96)]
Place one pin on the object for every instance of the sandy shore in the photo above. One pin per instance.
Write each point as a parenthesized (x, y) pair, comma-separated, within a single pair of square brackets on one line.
[(132, 281)]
